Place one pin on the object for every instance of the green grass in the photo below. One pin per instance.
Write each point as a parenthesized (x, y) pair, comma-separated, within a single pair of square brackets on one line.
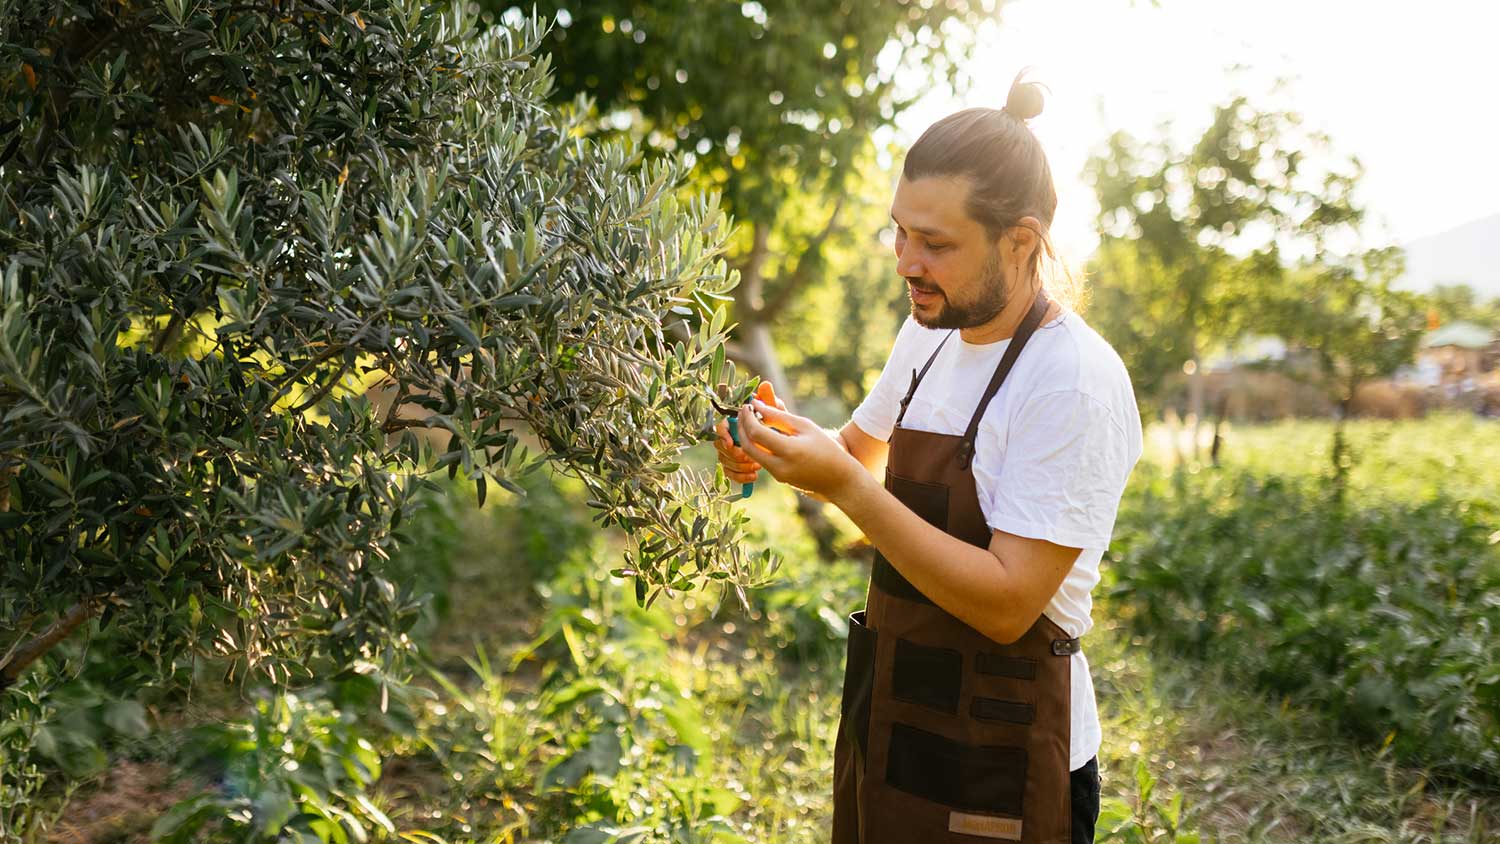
[(1453, 454)]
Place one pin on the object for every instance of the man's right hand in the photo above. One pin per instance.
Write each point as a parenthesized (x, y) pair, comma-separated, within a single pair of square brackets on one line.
[(738, 466)]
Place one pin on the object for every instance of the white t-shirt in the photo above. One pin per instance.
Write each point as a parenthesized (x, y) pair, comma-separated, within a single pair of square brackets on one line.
[(1055, 447)]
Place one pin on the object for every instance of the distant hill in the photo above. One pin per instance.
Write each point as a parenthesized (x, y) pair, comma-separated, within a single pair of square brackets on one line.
[(1469, 254)]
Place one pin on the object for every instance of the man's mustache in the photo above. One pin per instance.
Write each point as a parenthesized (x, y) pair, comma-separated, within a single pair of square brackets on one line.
[(923, 287)]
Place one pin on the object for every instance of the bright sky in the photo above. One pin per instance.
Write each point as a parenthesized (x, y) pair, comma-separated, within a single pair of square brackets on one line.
[(1409, 88)]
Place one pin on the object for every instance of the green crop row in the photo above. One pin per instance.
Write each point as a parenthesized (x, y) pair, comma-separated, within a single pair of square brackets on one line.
[(1382, 611)]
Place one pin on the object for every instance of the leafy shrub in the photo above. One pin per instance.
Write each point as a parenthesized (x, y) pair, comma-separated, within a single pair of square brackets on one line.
[(24, 802), (606, 744), (300, 768), (1387, 617), (804, 613), (1146, 819)]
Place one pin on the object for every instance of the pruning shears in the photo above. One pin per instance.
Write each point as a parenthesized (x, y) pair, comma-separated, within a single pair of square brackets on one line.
[(733, 414)]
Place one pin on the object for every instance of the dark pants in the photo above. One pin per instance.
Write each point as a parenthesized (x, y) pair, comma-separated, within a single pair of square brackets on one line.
[(1085, 785)]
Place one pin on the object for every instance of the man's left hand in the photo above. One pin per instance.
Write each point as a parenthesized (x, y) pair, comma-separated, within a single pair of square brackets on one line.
[(806, 457)]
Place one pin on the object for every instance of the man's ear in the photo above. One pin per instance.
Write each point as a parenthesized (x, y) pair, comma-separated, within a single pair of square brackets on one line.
[(1021, 240)]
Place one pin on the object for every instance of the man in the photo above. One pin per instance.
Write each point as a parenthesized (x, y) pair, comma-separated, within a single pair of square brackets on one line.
[(968, 709)]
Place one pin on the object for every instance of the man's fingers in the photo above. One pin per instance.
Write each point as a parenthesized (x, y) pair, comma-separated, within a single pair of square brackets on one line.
[(737, 464), (730, 453), (740, 466), (752, 433), (777, 417)]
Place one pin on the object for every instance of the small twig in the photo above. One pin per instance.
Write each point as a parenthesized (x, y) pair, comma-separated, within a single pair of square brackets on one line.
[(394, 425), (324, 390), (328, 354)]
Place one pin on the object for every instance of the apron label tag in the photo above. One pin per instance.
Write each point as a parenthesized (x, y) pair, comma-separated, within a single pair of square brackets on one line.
[(985, 826)]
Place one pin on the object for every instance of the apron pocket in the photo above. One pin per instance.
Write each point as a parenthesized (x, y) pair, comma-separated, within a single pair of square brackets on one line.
[(1010, 711), (958, 776), (928, 500), (927, 676), (859, 681), (998, 665)]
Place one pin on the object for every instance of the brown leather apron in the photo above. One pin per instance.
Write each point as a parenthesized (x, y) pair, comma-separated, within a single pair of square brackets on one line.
[(946, 735)]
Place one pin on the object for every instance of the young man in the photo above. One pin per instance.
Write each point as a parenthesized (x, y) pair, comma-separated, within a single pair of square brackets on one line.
[(968, 709)]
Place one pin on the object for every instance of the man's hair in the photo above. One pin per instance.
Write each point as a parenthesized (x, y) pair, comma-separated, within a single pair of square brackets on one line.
[(1004, 162)]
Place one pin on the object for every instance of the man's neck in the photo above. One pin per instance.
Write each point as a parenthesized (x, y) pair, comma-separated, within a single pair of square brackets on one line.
[(1005, 323)]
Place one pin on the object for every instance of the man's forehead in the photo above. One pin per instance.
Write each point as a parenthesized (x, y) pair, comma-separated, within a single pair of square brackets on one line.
[(932, 205)]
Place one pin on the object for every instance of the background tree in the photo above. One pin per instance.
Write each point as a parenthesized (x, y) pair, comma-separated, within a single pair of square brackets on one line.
[(1192, 239), (1256, 228), (221, 222), (1354, 326), (1453, 302)]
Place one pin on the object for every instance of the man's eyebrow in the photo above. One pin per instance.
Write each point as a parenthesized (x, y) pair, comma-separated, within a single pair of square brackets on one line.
[(919, 229)]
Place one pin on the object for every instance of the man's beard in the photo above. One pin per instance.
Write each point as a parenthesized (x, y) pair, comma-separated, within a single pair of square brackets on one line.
[(992, 300)]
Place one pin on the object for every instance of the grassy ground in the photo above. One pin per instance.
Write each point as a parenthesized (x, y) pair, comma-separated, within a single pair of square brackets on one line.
[(557, 711)]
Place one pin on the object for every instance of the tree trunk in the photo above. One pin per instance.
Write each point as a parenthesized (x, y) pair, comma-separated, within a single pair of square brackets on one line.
[(757, 353), (1195, 393), (1213, 452), (1342, 456)]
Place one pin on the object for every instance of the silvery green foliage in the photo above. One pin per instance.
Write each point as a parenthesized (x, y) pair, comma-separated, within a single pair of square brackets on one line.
[(222, 222)]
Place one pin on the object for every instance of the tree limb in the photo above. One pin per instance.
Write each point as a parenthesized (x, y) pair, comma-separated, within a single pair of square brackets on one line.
[(59, 630), (323, 391)]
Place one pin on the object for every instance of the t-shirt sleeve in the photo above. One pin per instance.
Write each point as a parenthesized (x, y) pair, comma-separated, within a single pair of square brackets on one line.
[(1060, 473), (876, 415)]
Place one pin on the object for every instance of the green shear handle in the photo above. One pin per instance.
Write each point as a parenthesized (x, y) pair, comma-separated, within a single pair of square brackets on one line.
[(733, 414)]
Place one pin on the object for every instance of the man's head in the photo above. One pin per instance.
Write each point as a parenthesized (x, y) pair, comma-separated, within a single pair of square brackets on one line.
[(973, 209)]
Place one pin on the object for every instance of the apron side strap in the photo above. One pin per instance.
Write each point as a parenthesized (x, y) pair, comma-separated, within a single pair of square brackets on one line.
[(1066, 647)]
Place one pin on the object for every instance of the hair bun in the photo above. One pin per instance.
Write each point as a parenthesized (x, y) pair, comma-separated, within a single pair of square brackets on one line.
[(1025, 99)]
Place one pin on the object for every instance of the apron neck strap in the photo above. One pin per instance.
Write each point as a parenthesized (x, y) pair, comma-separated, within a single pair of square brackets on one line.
[(1023, 333), (916, 378)]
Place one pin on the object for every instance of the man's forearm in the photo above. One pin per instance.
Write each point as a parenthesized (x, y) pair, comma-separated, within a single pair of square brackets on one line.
[(968, 581)]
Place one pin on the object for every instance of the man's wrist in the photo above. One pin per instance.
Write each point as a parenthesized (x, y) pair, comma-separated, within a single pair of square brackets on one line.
[(850, 486)]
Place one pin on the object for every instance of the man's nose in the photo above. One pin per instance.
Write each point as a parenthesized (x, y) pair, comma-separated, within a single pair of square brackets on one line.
[(909, 267)]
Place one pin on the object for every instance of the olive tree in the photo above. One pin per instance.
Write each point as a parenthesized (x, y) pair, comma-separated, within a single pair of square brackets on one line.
[(222, 223)]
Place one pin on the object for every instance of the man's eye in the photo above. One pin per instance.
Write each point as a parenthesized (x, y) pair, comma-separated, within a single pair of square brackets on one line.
[(937, 247)]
